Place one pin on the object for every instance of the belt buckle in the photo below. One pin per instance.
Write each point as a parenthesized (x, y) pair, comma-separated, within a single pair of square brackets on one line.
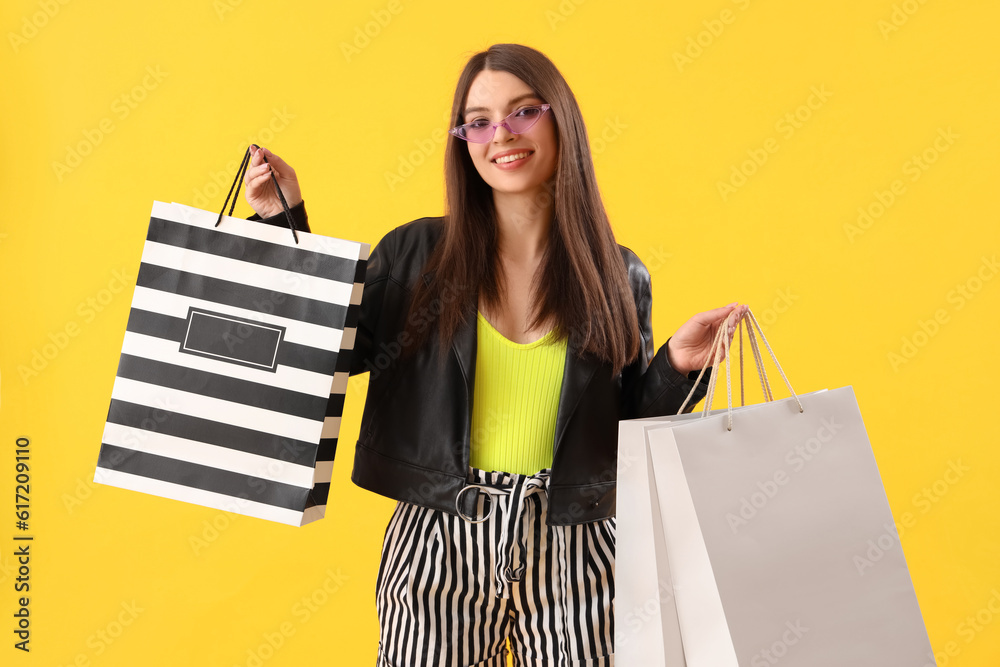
[(459, 509)]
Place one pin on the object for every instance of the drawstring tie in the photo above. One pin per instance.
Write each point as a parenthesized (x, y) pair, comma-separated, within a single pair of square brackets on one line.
[(510, 568)]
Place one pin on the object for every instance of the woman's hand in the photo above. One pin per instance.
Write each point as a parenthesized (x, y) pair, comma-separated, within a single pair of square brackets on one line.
[(691, 345), (260, 192)]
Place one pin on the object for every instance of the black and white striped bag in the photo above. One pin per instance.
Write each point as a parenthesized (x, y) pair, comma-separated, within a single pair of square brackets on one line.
[(234, 365)]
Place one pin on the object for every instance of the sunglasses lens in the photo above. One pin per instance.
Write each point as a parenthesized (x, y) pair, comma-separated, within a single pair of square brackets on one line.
[(479, 131), (523, 119)]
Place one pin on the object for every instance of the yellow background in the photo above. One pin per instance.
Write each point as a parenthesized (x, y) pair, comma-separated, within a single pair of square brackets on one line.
[(665, 133)]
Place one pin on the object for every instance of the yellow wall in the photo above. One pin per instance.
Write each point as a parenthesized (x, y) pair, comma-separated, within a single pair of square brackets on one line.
[(889, 107)]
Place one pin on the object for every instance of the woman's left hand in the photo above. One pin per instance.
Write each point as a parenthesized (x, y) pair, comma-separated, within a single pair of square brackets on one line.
[(690, 347)]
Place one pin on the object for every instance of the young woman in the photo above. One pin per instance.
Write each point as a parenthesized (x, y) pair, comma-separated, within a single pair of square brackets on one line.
[(505, 341)]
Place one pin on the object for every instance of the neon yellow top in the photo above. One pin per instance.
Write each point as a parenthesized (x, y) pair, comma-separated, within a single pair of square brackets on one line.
[(515, 401)]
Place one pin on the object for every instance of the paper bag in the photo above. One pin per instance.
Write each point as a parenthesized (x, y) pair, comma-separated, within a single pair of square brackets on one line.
[(234, 365)]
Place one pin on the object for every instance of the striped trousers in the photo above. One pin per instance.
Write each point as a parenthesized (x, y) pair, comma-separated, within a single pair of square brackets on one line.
[(451, 590)]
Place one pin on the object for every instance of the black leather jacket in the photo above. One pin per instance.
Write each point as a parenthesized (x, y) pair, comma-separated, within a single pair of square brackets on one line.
[(415, 430)]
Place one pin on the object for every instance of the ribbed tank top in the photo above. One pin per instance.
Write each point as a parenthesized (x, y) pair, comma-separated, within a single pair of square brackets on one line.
[(515, 401)]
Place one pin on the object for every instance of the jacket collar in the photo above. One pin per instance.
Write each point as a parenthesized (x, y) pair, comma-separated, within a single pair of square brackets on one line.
[(577, 373)]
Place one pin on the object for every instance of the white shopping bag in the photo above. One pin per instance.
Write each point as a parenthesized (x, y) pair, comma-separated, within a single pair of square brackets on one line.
[(767, 517), (646, 624)]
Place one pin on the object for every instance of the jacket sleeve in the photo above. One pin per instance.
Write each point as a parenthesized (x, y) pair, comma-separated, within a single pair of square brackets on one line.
[(372, 298), (376, 277), (651, 387), (299, 217)]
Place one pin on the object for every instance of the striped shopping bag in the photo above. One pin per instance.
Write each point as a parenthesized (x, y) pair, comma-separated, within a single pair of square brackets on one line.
[(234, 365)]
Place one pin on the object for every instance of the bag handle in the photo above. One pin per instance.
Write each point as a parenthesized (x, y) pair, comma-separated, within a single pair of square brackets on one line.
[(717, 350), (765, 384), (240, 173), (751, 319), (788, 384), (758, 362), (721, 344)]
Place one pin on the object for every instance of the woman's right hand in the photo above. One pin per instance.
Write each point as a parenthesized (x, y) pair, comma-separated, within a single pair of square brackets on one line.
[(260, 192)]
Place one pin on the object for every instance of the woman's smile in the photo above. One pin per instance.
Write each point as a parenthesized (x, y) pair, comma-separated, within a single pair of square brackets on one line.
[(512, 159)]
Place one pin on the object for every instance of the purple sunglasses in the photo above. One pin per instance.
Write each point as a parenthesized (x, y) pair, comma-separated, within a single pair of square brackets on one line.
[(481, 130)]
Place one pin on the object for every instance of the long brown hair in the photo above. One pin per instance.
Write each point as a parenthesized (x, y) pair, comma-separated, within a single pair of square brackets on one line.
[(582, 282)]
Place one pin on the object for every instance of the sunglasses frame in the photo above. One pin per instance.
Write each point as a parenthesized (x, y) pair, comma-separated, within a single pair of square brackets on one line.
[(456, 131)]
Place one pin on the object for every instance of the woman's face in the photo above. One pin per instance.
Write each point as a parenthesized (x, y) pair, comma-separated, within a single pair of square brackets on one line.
[(493, 95)]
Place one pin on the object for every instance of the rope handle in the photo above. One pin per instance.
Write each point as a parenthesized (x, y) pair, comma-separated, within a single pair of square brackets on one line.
[(725, 339), (240, 174), (722, 341), (765, 384), (758, 361), (774, 358)]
